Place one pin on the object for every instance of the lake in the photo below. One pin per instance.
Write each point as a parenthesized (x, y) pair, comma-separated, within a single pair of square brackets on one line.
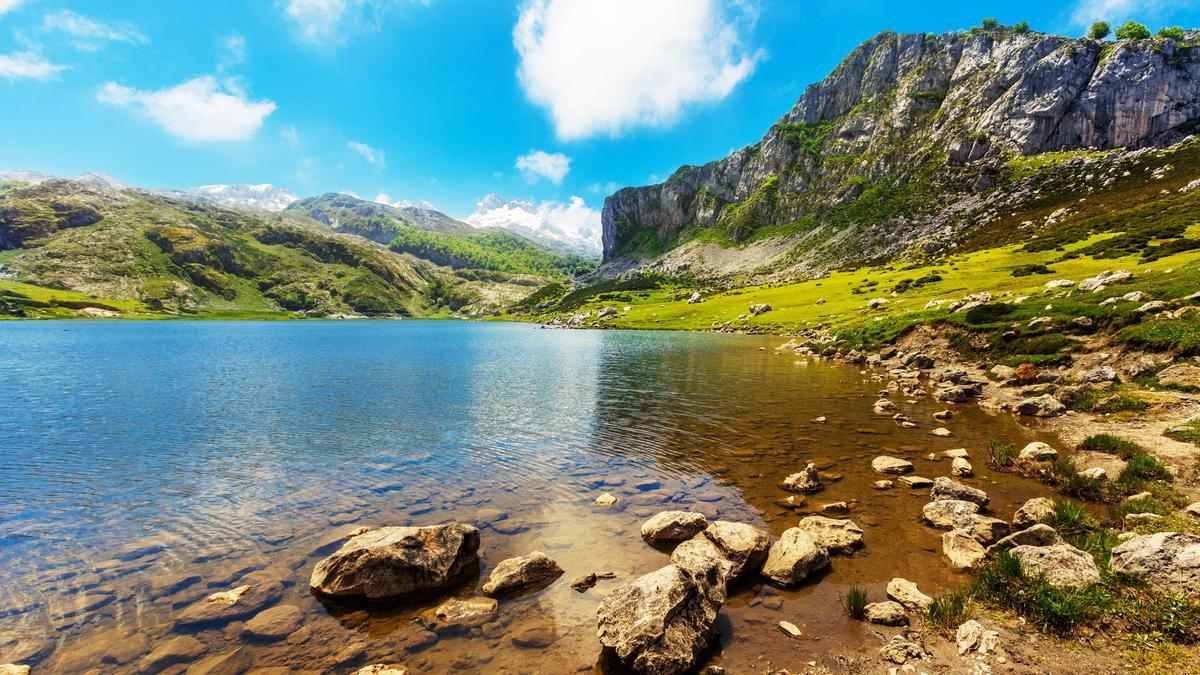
[(146, 465)]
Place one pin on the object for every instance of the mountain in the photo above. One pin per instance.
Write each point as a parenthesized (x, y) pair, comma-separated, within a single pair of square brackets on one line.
[(69, 246), (434, 236), (571, 228), (913, 143), (262, 196), (98, 180)]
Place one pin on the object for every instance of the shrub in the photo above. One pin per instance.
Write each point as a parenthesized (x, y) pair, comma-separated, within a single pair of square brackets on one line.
[(1144, 467), (1099, 30), (950, 610), (1021, 27), (1172, 32), (1112, 445), (1001, 454), (1132, 30), (856, 601), (1071, 518), (990, 23), (1034, 268), (1121, 403)]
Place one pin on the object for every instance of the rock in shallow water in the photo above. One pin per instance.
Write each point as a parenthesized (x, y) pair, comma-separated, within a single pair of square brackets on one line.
[(794, 557), (944, 488), (273, 624), (673, 526), (228, 605), (891, 465), (392, 562), (521, 572), (943, 513), (1033, 512), (663, 621), (808, 480), (838, 536), (907, 594), (457, 614)]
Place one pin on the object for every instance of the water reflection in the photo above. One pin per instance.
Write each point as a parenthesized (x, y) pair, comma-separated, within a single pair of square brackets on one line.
[(146, 465)]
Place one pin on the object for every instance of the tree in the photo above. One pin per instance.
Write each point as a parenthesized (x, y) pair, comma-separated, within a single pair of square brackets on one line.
[(1021, 27), (1132, 30), (1173, 32), (990, 23), (1099, 30)]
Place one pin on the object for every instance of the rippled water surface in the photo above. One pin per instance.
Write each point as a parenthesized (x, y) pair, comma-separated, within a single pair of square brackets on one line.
[(146, 465)]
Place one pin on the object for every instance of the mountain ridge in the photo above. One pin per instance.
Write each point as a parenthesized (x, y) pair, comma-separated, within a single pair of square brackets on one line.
[(898, 148)]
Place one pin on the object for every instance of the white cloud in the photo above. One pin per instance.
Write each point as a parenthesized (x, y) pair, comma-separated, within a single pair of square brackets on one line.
[(232, 52), (573, 224), (90, 34), (605, 67), (604, 188), (328, 23), (537, 164), (1115, 12), (9, 5), (198, 110), (291, 136), (28, 65), (372, 155)]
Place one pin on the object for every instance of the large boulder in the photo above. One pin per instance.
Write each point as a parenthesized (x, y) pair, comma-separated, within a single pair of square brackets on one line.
[(699, 553), (393, 562), (524, 571), (943, 513), (1033, 512), (744, 546), (944, 488), (891, 465), (838, 536), (1062, 564), (1168, 561), (662, 622), (1180, 375), (808, 480), (794, 557), (673, 526)]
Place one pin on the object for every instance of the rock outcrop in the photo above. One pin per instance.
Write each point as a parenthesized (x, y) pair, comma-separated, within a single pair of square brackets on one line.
[(663, 621), (897, 103), (393, 562), (1168, 561)]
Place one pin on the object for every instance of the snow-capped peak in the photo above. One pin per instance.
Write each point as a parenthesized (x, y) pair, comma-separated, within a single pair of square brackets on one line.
[(573, 226)]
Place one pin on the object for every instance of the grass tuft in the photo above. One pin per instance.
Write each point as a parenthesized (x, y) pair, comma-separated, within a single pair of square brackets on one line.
[(856, 602)]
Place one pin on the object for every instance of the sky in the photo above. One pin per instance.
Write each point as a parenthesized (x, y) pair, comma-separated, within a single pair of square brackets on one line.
[(558, 102)]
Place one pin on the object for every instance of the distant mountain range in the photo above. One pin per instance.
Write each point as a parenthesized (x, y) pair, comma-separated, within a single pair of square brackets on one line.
[(262, 196), (570, 228)]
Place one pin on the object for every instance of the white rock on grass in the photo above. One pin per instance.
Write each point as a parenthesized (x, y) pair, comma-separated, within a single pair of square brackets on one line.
[(1062, 564), (1167, 561)]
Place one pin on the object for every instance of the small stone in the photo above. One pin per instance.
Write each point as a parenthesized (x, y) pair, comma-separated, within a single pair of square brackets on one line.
[(835, 508), (887, 485), (906, 593), (943, 513), (1032, 512), (837, 536), (532, 569), (915, 482), (943, 415), (790, 628), (1062, 564), (606, 499), (673, 526), (382, 669), (891, 465), (1094, 473), (971, 637), (1041, 406), (956, 453), (1038, 452), (961, 468), (963, 551), (942, 432), (535, 637), (456, 614), (899, 650), (177, 650), (944, 488), (1038, 534), (808, 480)]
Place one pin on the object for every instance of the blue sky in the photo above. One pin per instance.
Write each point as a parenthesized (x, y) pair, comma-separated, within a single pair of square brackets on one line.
[(438, 100)]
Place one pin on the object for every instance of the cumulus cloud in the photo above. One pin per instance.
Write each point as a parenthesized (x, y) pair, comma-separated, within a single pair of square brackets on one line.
[(199, 110), (605, 67), (331, 22), (537, 164), (9, 5), (371, 155), (573, 224), (28, 66), (89, 34), (1115, 11)]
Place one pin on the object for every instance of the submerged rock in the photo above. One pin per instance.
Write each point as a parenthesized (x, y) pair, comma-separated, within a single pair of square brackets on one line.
[(392, 562), (673, 526), (794, 557), (521, 572), (891, 465), (274, 624), (382, 669), (229, 605), (1038, 452), (1167, 561), (176, 650), (457, 614), (662, 622)]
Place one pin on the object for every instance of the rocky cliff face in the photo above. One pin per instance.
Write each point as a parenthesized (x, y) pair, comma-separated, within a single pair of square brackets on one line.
[(905, 129)]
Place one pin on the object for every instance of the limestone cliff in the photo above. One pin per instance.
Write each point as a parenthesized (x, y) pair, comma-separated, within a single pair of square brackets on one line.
[(894, 148)]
